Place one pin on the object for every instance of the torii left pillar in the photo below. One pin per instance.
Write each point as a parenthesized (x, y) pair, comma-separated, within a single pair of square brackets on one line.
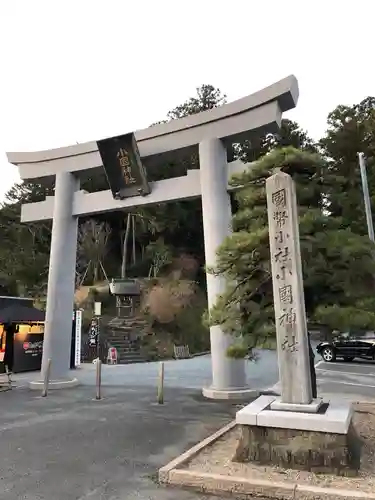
[(61, 285)]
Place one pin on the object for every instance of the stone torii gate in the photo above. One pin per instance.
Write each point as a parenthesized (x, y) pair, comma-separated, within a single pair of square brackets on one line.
[(208, 135)]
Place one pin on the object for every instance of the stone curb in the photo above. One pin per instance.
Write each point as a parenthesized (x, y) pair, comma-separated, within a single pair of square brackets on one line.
[(255, 488), (174, 474), (189, 454)]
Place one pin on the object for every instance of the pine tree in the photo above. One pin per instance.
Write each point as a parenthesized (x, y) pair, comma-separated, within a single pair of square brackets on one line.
[(338, 265)]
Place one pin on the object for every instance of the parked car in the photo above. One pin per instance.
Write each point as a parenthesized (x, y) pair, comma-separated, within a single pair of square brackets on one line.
[(348, 346)]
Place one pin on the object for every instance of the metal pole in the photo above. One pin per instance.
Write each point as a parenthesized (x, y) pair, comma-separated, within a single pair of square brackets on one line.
[(98, 339), (366, 196)]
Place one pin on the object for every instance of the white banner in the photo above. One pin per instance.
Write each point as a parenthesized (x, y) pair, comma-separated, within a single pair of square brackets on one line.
[(97, 308), (78, 338)]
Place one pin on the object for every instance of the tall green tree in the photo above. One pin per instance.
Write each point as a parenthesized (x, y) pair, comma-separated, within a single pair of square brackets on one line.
[(24, 249), (179, 224), (207, 97), (351, 129), (290, 134), (338, 265)]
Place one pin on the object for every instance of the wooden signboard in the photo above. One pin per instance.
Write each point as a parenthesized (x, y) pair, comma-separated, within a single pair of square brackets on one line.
[(123, 166)]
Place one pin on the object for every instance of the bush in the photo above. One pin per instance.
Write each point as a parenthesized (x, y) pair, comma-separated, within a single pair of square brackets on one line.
[(166, 299), (175, 307), (237, 351)]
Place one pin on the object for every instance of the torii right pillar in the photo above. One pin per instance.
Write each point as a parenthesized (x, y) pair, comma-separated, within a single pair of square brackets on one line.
[(228, 374)]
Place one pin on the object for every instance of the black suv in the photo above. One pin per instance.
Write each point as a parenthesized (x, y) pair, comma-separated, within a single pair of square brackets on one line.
[(348, 346)]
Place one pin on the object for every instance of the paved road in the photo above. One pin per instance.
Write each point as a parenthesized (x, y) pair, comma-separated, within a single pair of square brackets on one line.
[(193, 373), (70, 447), (339, 380), (354, 380)]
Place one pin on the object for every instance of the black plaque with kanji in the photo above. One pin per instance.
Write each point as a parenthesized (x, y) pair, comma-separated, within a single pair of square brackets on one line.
[(123, 166)]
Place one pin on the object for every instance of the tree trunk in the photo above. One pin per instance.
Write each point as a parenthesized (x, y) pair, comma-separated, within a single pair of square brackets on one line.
[(124, 248)]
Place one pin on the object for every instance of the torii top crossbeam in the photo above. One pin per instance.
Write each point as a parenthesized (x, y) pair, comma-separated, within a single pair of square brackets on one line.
[(260, 111)]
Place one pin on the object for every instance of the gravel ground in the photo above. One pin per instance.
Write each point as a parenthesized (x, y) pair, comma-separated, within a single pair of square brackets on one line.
[(217, 459)]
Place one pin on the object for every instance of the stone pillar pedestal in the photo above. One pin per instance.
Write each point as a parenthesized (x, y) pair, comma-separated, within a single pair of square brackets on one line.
[(61, 284), (321, 442), (294, 431), (228, 375)]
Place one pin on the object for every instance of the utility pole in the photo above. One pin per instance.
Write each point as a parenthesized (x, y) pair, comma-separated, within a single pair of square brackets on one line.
[(366, 196)]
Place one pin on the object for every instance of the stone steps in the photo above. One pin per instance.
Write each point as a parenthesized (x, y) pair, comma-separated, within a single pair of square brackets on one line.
[(123, 349), (121, 331), (130, 358)]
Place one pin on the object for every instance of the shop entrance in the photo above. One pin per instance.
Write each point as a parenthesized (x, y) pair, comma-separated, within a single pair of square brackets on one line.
[(21, 341), (21, 346)]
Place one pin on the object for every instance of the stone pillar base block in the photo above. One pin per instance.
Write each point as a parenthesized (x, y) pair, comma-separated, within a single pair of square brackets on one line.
[(318, 452), (313, 407), (244, 393), (321, 442), (332, 417), (37, 385)]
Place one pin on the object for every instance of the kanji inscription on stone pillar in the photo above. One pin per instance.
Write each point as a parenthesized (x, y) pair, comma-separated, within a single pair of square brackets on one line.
[(288, 294)]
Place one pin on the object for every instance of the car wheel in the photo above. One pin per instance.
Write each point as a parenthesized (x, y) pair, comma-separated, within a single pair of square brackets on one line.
[(348, 358), (328, 355)]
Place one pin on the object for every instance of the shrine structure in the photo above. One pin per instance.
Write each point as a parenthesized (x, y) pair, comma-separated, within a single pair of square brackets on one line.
[(208, 138)]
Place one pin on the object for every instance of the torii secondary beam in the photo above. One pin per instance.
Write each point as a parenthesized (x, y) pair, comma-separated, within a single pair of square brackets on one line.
[(185, 187)]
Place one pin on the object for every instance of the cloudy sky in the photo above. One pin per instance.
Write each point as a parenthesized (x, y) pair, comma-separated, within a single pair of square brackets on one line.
[(80, 70)]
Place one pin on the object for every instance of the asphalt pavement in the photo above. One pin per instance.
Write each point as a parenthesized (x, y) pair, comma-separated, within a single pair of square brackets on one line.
[(193, 373), (69, 446), (354, 381)]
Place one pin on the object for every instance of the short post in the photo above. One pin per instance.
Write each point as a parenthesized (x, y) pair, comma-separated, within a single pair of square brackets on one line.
[(161, 383), (46, 378), (98, 379)]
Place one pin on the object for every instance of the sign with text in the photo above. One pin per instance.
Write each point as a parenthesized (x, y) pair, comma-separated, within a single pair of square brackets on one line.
[(78, 337), (94, 333), (28, 350), (122, 163), (97, 308), (288, 293)]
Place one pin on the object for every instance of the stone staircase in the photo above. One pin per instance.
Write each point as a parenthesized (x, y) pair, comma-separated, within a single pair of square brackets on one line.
[(124, 333)]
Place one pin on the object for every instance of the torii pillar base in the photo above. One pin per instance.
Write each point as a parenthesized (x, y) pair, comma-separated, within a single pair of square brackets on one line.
[(38, 385)]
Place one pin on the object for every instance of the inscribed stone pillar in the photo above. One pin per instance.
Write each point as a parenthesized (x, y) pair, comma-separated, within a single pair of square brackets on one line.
[(289, 302), (227, 374), (61, 282)]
